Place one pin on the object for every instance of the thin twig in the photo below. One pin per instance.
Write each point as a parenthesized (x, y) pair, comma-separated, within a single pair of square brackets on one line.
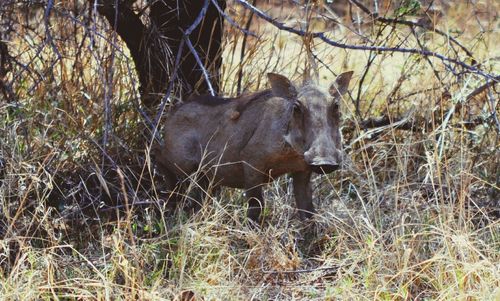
[(232, 22), (299, 271), (50, 40), (130, 206), (198, 19), (200, 63), (436, 73), (494, 114), (243, 48), (165, 99), (483, 88), (490, 97), (190, 29)]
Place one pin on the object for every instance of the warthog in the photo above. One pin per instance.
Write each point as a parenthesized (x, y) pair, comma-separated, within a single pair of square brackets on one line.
[(247, 141)]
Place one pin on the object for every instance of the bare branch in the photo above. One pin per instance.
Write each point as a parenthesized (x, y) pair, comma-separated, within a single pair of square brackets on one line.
[(243, 49), (385, 20), (321, 36), (420, 124), (483, 88), (50, 5), (200, 63), (232, 22), (494, 114), (198, 19), (165, 99), (2, 170), (195, 24)]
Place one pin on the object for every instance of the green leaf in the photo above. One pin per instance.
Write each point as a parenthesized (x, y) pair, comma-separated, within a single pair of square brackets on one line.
[(408, 7)]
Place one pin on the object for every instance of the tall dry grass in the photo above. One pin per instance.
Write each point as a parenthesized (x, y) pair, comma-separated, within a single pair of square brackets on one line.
[(413, 215)]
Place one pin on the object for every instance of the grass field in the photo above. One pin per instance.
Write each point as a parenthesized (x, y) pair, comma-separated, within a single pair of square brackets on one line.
[(412, 215)]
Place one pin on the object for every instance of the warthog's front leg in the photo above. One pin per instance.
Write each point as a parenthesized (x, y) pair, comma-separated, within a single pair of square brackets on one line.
[(253, 192), (303, 193)]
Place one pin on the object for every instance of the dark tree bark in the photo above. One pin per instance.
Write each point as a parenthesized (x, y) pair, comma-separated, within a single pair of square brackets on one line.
[(4, 68), (154, 46)]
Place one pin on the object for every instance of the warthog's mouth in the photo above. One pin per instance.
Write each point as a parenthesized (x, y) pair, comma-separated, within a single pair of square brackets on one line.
[(324, 166)]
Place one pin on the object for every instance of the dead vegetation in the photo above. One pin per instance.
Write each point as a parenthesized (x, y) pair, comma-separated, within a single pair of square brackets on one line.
[(413, 215)]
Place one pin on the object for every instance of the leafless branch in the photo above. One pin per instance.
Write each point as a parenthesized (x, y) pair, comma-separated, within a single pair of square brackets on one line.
[(243, 48), (483, 88), (50, 40), (166, 97), (178, 57), (324, 38), (428, 27), (195, 24), (200, 64), (494, 114), (246, 31), (418, 124), (128, 206)]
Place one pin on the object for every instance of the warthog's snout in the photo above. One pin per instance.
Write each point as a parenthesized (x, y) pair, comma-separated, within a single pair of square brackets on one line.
[(325, 167), (323, 164)]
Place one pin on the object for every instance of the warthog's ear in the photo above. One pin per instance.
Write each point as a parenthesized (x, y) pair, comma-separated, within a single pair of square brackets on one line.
[(341, 84), (282, 86)]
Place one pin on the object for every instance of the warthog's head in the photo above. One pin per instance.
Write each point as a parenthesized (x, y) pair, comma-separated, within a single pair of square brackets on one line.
[(314, 120)]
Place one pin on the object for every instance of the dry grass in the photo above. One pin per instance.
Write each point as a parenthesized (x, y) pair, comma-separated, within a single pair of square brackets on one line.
[(412, 216)]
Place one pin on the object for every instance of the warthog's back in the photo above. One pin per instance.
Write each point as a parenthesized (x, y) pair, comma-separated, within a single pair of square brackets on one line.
[(216, 131)]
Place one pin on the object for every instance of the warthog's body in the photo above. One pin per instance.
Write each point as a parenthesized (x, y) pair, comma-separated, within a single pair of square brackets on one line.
[(248, 141)]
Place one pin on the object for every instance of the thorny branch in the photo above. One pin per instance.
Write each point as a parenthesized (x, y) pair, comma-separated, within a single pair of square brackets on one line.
[(324, 38), (386, 20)]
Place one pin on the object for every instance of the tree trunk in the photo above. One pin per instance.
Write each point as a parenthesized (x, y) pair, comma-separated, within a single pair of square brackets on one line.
[(154, 47)]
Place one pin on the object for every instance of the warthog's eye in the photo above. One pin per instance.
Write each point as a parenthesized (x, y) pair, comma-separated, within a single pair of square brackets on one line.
[(297, 107), (335, 107)]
